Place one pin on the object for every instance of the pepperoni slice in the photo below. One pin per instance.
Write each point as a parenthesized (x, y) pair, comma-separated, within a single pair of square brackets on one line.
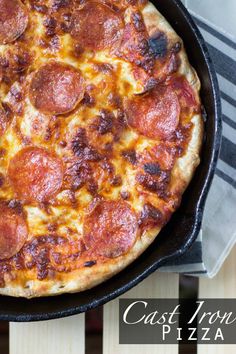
[(56, 88), (155, 115), (96, 26), (13, 232), (111, 228), (185, 93), (13, 20), (35, 174)]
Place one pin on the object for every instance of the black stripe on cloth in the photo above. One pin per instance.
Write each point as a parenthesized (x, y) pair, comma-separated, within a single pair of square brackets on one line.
[(225, 66), (226, 178), (228, 152), (228, 99), (194, 255), (229, 121), (215, 33)]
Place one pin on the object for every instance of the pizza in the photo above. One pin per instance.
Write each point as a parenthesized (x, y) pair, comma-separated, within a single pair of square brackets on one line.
[(100, 135)]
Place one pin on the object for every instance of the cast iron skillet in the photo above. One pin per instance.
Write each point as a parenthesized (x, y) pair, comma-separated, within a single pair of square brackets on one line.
[(182, 230)]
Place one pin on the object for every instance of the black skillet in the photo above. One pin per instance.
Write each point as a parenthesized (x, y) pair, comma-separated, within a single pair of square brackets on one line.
[(180, 233)]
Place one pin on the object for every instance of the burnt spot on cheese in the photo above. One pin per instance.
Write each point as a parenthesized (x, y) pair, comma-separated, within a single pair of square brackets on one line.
[(2, 152), (2, 180), (42, 264), (146, 58), (90, 263), (39, 7), (152, 169), (107, 123), (39, 241), (19, 261), (22, 61), (82, 149), (108, 148), (107, 166), (150, 217), (5, 268), (54, 44), (67, 23), (104, 122), (158, 44), (16, 93), (144, 49), (88, 100), (39, 250), (92, 187), (14, 64), (138, 3), (3, 121), (149, 85), (77, 173), (8, 111), (52, 227), (116, 181), (137, 20), (135, 44), (17, 205), (50, 24), (156, 184), (72, 198), (6, 115), (130, 156), (121, 119), (104, 68), (176, 47), (78, 50), (60, 4), (48, 254)]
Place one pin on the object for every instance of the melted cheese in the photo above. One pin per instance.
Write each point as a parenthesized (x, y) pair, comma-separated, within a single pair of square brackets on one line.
[(30, 127), (33, 127)]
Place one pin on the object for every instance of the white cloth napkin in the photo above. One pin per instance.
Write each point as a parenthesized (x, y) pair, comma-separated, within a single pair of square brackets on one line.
[(216, 21)]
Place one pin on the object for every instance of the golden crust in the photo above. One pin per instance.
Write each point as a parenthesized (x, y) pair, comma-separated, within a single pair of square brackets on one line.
[(86, 278)]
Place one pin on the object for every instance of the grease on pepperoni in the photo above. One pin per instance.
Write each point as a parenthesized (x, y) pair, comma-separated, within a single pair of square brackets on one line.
[(35, 174), (155, 115), (96, 26), (163, 154), (13, 20), (111, 228), (56, 88), (13, 232)]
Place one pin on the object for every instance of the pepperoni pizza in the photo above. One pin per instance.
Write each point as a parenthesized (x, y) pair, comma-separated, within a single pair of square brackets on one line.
[(100, 134)]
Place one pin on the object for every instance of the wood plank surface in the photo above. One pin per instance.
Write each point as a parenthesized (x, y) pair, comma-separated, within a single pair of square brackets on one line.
[(65, 336), (158, 285), (222, 286)]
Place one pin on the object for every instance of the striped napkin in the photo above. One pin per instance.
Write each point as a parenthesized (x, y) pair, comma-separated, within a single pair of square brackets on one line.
[(216, 21)]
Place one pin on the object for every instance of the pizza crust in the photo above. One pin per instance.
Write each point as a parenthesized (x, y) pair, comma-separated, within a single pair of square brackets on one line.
[(86, 278)]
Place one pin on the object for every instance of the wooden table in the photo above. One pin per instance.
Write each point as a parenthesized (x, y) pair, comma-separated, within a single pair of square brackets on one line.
[(67, 336)]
